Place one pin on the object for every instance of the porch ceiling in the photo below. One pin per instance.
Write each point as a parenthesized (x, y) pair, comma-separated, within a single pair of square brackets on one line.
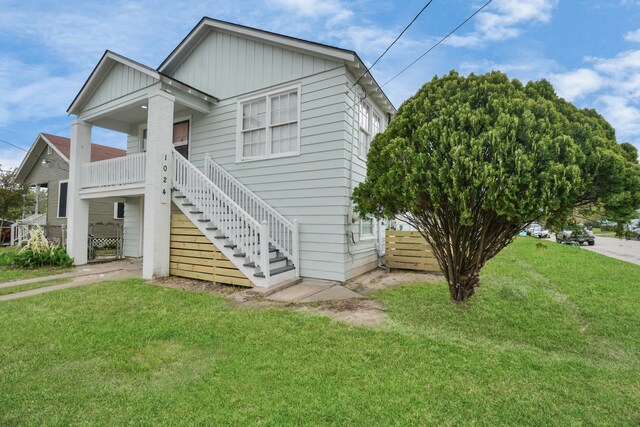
[(126, 118)]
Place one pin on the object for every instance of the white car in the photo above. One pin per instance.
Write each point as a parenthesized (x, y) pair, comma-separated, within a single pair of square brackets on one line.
[(540, 232)]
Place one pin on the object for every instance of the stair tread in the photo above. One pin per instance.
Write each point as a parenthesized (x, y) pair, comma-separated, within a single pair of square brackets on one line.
[(276, 271), (271, 260)]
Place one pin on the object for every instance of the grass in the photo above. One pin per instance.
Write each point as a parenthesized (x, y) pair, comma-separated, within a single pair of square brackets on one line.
[(30, 286), (9, 274), (552, 338), (599, 232)]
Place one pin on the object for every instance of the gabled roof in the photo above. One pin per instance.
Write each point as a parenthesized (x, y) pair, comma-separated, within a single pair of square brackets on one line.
[(108, 60), (206, 24), (98, 151), (62, 146)]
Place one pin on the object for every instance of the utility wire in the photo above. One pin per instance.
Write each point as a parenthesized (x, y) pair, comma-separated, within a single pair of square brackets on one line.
[(394, 42), (13, 145), (439, 42)]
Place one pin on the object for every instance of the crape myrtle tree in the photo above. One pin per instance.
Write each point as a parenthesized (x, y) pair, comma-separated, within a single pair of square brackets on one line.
[(469, 161)]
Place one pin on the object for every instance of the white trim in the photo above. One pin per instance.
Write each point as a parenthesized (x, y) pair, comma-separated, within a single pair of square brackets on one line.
[(115, 210), (267, 94), (66, 206), (109, 58), (201, 30), (367, 236)]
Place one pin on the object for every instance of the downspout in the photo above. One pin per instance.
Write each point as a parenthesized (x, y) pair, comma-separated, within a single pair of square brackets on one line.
[(353, 90)]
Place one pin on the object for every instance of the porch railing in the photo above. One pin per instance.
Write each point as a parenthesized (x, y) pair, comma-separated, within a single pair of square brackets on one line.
[(129, 169)]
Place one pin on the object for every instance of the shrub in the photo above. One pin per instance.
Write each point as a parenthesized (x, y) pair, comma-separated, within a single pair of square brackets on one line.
[(38, 252)]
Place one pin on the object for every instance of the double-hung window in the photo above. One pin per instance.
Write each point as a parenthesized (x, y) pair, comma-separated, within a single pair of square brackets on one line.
[(365, 128), (269, 125), (370, 125)]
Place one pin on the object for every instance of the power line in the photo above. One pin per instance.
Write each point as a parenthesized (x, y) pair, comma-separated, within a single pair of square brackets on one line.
[(394, 42), (14, 145), (439, 42)]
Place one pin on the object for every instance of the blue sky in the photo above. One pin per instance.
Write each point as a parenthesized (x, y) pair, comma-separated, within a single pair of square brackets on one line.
[(589, 49)]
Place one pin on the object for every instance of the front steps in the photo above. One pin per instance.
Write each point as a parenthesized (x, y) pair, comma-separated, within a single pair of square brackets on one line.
[(280, 267)]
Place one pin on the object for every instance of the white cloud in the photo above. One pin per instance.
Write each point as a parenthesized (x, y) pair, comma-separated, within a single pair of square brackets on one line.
[(578, 83), (633, 36), (333, 11), (503, 20), (612, 85), (32, 91), (10, 158)]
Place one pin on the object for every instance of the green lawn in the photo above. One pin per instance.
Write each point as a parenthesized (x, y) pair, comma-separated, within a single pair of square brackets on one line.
[(553, 338), (599, 232), (29, 286)]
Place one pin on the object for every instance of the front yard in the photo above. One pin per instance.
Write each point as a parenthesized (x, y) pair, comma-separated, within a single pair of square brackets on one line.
[(553, 338)]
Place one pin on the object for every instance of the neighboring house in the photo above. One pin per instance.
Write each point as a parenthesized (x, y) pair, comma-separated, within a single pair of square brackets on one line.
[(46, 165), (244, 147)]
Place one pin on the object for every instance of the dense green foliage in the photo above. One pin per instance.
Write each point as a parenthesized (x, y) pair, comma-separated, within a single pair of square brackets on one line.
[(12, 196), (553, 339), (38, 253), (470, 161)]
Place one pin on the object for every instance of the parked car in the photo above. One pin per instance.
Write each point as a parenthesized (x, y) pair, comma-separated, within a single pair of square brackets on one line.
[(540, 232), (572, 236)]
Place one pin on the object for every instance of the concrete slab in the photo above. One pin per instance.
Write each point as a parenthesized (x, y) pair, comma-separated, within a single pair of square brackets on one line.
[(333, 293), (298, 292)]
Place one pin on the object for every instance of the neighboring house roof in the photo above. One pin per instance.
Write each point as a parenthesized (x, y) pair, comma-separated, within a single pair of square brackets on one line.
[(62, 146), (98, 151)]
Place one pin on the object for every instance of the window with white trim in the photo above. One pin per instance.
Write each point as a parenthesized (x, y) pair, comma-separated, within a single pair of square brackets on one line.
[(365, 128), (63, 187), (366, 227), (118, 210), (269, 125), (49, 150)]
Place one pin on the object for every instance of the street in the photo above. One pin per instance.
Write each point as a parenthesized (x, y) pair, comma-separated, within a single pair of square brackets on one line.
[(625, 250)]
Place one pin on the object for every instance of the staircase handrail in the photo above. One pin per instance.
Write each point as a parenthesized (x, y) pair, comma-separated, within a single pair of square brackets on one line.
[(283, 233), (229, 218)]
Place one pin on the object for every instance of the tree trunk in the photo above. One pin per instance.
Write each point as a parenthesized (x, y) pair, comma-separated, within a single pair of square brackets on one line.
[(464, 288)]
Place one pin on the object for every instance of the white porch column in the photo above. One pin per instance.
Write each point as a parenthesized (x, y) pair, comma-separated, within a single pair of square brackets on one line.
[(78, 209), (37, 209), (157, 196)]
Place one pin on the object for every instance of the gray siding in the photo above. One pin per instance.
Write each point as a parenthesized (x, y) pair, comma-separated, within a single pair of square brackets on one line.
[(132, 228), (58, 170), (226, 65), (311, 187), (120, 81), (362, 255)]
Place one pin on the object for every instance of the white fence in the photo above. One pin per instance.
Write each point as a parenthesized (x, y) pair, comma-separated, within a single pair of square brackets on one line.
[(129, 169)]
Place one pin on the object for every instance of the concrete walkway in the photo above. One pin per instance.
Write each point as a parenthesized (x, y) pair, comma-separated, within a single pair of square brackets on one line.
[(81, 276), (313, 291)]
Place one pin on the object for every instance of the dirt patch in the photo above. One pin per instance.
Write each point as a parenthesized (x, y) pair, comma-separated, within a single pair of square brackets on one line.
[(354, 311), (379, 279), (364, 312)]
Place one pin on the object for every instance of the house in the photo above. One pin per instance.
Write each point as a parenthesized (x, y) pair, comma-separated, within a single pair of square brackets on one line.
[(46, 166), (244, 147)]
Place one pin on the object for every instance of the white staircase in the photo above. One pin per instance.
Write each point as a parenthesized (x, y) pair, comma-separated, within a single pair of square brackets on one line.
[(265, 249)]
